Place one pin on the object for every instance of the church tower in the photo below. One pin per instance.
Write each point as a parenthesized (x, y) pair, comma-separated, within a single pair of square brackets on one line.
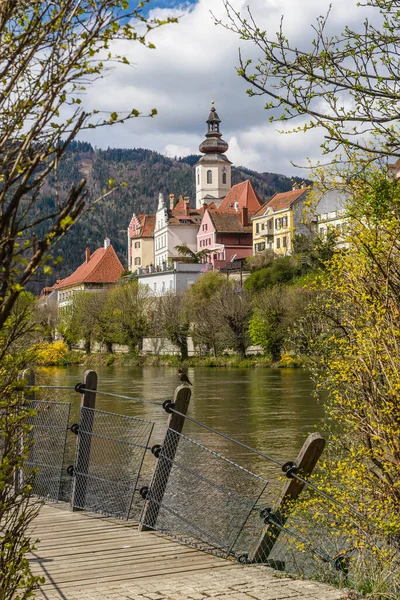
[(213, 171)]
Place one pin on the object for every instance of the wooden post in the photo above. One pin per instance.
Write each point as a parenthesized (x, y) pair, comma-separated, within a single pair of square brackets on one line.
[(29, 376), (88, 400), (164, 463), (306, 461)]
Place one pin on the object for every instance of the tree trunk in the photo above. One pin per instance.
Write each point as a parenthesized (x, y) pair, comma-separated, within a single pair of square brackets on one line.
[(183, 347)]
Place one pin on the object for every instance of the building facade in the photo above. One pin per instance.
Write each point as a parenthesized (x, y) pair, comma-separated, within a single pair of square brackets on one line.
[(141, 241), (174, 278), (176, 224), (279, 219), (330, 215), (226, 231)]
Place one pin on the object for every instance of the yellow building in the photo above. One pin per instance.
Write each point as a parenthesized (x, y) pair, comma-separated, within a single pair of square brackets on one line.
[(141, 241), (275, 223)]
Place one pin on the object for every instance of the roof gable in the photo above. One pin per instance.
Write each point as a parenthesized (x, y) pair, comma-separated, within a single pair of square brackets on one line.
[(103, 266), (142, 226), (241, 195), (281, 201)]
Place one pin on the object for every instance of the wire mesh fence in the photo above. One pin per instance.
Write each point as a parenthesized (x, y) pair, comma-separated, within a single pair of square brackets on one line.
[(46, 443), (200, 496), (109, 456), (204, 499)]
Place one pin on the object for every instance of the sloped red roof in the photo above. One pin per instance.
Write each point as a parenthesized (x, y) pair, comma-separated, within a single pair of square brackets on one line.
[(179, 214), (228, 222), (103, 266), (147, 224), (282, 200), (245, 196)]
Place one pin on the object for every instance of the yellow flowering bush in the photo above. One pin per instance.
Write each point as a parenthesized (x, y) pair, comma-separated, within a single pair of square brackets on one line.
[(352, 335), (50, 353)]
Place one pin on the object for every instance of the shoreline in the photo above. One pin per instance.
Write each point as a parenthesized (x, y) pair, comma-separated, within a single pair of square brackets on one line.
[(129, 360)]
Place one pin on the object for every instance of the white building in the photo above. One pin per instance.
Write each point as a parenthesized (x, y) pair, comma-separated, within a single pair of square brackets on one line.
[(174, 278), (330, 214), (213, 171), (176, 225)]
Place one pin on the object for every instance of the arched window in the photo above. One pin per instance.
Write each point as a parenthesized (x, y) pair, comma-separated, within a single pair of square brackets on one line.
[(209, 176), (224, 177)]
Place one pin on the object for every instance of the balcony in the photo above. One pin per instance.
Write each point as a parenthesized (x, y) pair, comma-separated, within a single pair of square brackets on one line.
[(268, 234)]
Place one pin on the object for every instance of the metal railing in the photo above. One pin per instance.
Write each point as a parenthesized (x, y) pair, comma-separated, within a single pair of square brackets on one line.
[(209, 501)]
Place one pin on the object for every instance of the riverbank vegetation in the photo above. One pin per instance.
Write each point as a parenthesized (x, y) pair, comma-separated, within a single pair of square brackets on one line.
[(351, 334), (222, 319)]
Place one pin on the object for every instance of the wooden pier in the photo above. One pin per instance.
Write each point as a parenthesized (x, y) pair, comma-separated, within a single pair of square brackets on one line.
[(78, 551), (89, 557)]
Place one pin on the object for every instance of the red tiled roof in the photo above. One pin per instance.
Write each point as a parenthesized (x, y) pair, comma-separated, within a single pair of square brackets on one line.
[(228, 222), (178, 214), (146, 223), (282, 200), (103, 266), (394, 165), (244, 194)]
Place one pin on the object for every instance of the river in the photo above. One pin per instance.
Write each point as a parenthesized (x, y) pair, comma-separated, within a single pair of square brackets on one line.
[(272, 410)]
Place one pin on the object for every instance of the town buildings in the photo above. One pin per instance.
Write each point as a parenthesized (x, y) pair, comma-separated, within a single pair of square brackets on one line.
[(229, 223)]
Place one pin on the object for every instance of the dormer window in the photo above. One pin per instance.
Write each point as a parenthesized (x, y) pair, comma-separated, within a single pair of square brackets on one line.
[(209, 176)]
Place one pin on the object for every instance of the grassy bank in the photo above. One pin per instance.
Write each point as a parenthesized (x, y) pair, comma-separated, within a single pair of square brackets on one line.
[(130, 360)]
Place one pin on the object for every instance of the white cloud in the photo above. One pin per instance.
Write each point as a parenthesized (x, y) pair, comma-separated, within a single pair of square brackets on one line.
[(196, 61), (173, 150)]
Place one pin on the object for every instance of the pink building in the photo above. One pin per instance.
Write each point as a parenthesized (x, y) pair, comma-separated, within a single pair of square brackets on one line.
[(226, 231)]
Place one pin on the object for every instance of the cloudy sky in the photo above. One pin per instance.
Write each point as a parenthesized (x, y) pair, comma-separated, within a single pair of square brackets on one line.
[(194, 62)]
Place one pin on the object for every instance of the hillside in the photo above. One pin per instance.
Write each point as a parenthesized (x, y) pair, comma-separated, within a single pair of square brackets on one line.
[(147, 173)]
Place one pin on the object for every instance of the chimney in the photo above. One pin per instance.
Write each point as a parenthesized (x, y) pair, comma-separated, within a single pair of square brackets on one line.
[(171, 201), (295, 185), (106, 243), (187, 205), (87, 254), (303, 185), (245, 216)]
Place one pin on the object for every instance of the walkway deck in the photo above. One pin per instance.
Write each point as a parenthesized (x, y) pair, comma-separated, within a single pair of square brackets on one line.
[(84, 556)]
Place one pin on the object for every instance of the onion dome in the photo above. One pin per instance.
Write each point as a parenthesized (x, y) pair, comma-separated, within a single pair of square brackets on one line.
[(213, 142)]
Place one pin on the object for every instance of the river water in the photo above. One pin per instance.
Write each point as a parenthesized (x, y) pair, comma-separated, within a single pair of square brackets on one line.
[(272, 410)]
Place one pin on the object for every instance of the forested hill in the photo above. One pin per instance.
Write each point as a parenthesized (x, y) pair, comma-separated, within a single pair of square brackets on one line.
[(147, 173)]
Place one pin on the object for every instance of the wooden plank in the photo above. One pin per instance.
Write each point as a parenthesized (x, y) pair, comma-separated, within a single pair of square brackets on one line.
[(305, 461), (142, 554), (164, 463), (111, 562), (125, 571), (116, 541)]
